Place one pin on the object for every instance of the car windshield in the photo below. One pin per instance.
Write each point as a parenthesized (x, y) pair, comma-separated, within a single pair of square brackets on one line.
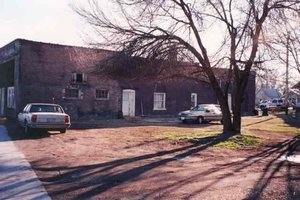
[(46, 108)]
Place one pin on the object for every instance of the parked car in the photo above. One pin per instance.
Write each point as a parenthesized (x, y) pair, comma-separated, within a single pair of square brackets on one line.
[(44, 116), (202, 113), (271, 104), (275, 103)]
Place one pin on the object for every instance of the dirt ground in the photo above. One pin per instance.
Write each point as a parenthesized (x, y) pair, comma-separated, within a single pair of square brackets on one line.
[(128, 159)]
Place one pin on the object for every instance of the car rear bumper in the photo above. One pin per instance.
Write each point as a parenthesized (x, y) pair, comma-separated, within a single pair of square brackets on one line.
[(49, 126)]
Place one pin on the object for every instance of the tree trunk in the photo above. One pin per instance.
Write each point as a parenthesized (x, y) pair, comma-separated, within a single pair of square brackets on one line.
[(228, 128), (237, 109)]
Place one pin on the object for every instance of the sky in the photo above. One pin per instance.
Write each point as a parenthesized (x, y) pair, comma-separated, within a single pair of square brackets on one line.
[(50, 21)]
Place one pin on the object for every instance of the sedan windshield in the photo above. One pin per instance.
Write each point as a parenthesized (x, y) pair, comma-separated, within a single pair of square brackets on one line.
[(46, 108)]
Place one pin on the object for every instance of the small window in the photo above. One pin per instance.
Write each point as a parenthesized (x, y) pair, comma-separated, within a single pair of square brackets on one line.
[(194, 99), (79, 78), (72, 93), (102, 94), (159, 101)]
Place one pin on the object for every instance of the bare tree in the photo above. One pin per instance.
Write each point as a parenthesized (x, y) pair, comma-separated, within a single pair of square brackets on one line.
[(151, 28), (286, 44)]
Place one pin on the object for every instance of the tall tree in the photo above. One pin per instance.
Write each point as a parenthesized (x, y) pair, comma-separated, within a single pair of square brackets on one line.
[(151, 28), (285, 43)]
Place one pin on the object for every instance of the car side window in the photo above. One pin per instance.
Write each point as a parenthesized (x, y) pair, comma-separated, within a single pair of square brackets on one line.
[(26, 109), (200, 108), (58, 109)]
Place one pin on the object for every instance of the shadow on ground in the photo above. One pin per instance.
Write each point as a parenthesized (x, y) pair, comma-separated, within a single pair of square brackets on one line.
[(88, 181)]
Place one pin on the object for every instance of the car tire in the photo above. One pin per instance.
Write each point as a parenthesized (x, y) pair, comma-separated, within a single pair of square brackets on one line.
[(200, 120), (64, 130)]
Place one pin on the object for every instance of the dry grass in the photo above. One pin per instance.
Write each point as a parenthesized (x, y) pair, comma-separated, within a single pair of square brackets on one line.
[(272, 124)]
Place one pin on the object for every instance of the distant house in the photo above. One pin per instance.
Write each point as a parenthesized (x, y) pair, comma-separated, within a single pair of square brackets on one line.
[(42, 72), (265, 94), (294, 94)]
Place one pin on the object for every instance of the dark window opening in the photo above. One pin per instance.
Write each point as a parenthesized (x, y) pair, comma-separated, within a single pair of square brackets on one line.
[(79, 78)]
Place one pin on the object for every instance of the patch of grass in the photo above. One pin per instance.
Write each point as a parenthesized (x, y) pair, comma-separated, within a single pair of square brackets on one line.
[(235, 142), (176, 136), (240, 141)]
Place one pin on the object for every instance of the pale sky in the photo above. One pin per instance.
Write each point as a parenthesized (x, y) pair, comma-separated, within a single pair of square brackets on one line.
[(50, 21)]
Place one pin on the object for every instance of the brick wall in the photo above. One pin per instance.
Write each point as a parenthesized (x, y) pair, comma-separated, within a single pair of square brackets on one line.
[(46, 69)]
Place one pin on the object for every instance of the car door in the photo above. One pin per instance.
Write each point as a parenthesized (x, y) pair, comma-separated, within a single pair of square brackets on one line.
[(209, 113), (212, 113), (199, 111)]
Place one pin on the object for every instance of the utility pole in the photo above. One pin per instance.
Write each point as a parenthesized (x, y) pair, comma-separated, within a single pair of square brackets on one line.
[(287, 67)]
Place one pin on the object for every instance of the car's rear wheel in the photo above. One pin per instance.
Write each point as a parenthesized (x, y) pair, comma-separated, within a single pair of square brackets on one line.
[(200, 120), (64, 130)]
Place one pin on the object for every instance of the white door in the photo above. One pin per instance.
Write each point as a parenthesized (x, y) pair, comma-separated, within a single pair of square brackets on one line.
[(128, 103)]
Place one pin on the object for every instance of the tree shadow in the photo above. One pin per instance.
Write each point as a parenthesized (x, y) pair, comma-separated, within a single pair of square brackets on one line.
[(98, 178), (289, 119), (106, 180)]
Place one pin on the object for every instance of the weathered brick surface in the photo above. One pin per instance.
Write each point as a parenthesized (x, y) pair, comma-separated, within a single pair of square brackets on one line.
[(42, 71), (46, 69)]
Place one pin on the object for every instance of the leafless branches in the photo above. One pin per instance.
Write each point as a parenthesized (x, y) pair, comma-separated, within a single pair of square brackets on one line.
[(150, 29)]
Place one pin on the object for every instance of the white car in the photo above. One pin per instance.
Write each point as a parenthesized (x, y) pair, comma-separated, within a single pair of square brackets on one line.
[(201, 113), (44, 116)]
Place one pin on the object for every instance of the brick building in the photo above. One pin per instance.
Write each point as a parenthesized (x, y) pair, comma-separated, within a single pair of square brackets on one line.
[(42, 72)]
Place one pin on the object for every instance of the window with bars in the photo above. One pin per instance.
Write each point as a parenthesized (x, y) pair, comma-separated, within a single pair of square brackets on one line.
[(72, 93), (102, 94), (159, 102)]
